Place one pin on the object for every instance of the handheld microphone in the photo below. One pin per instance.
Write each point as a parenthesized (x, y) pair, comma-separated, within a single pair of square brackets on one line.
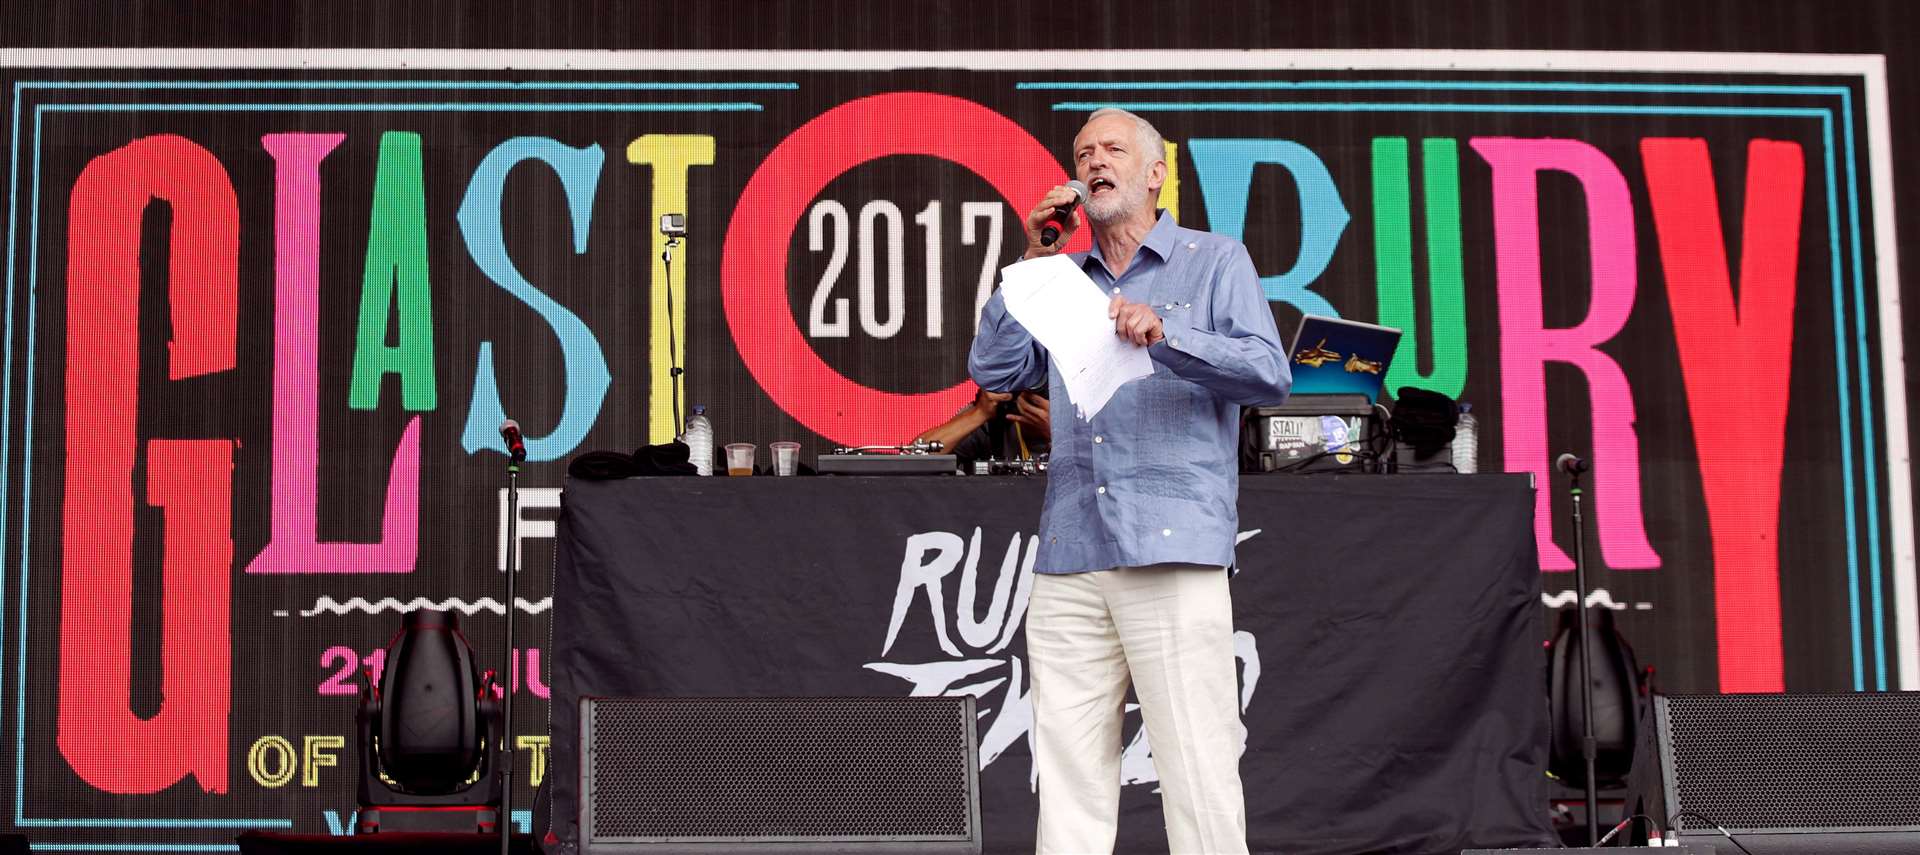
[(1570, 464), (516, 448), (1063, 214)]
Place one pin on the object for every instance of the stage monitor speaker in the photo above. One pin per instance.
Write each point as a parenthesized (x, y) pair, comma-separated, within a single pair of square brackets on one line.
[(883, 774), (390, 843), (1787, 772)]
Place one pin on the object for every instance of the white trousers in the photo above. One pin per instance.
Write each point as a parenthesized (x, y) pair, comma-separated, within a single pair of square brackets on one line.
[(1168, 628)]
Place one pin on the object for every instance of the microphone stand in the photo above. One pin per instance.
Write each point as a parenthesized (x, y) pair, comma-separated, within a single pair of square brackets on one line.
[(1589, 746), (505, 819)]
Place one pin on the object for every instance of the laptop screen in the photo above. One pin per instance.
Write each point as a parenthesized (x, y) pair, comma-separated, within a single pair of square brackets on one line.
[(1331, 356)]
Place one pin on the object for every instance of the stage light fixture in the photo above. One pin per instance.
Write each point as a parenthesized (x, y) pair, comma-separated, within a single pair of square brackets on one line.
[(429, 734)]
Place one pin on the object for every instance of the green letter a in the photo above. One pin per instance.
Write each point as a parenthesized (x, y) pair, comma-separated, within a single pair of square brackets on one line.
[(396, 262)]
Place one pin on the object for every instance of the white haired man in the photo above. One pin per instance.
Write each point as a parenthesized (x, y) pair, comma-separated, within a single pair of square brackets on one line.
[(1140, 515)]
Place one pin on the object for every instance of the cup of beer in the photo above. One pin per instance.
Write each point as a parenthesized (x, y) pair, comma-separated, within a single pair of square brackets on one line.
[(740, 458)]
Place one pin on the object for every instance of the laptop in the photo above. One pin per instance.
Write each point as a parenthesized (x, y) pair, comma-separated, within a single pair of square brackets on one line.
[(1333, 356)]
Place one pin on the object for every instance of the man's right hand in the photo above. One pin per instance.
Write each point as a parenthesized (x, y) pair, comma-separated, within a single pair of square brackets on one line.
[(988, 403), (1042, 214)]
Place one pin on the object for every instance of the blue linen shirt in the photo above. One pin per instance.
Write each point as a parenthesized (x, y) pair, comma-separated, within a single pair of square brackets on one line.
[(1154, 478)]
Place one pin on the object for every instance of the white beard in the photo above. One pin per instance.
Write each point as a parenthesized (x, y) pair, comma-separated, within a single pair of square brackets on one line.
[(1120, 201)]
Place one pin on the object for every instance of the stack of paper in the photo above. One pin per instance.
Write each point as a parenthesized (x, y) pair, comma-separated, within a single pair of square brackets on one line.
[(1067, 314)]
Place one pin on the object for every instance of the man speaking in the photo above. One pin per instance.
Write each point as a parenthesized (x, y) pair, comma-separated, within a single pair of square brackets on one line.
[(1140, 515)]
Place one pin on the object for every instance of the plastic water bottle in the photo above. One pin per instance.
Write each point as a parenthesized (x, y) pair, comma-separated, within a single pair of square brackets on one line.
[(699, 439), (1466, 441)]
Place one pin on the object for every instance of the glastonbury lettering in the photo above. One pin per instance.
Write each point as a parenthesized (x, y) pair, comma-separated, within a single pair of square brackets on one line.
[(263, 325)]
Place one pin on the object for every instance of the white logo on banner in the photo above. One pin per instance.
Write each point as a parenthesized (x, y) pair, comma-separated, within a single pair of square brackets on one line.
[(978, 664)]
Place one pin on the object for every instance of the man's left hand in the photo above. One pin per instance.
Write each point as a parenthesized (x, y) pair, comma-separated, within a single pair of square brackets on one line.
[(1135, 322), (1034, 414)]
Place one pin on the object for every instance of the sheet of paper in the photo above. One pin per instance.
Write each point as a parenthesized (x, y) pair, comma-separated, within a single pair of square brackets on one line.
[(1067, 314)]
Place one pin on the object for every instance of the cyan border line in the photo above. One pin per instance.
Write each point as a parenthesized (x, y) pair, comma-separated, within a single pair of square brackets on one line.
[(135, 847), (1433, 85), (1418, 107), (449, 107), (1835, 251), (1841, 373), (1844, 93), (6, 384), (6, 378), (20, 653), (20, 819), (1605, 109), (1868, 443), (481, 85)]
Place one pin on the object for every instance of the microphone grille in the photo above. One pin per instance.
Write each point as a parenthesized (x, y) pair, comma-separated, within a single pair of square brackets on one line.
[(508, 425), (1079, 188)]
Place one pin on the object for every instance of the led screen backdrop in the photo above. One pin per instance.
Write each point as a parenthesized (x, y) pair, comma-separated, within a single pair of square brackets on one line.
[(263, 320)]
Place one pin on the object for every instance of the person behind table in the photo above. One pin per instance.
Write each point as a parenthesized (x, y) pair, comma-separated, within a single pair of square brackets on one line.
[(1145, 494), (996, 426)]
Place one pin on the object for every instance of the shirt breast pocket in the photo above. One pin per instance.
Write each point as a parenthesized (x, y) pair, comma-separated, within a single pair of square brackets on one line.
[(1176, 307)]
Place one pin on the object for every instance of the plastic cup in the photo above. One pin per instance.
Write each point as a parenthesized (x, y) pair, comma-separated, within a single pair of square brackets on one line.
[(740, 458), (786, 457)]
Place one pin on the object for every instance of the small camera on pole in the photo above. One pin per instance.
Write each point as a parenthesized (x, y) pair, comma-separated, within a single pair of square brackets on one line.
[(673, 225)]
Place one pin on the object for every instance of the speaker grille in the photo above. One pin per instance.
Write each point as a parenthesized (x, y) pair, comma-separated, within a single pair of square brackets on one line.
[(1803, 761), (779, 769)]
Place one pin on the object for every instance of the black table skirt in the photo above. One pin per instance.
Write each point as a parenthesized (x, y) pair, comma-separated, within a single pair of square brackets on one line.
[(1392, 676)]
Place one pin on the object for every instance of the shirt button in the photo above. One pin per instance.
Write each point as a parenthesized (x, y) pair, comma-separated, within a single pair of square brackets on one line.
[(1166, 532), (1101, 490), (1192, 246), (1186, 305), (1116, 289), (1099, 439), (1174, 341)]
